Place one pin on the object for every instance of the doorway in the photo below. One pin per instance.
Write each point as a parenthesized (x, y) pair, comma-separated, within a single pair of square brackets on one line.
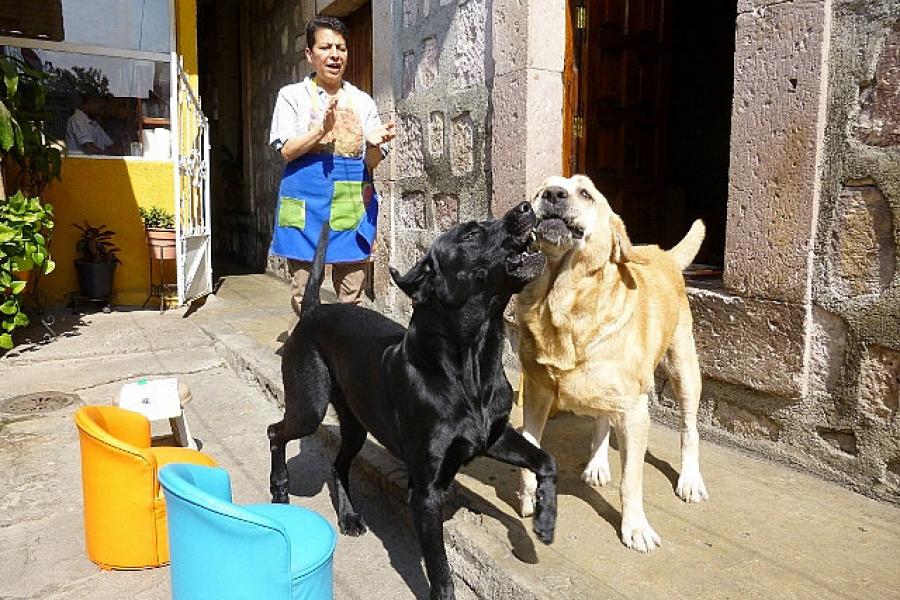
[(219, 54), (359, 45), (650, 84)]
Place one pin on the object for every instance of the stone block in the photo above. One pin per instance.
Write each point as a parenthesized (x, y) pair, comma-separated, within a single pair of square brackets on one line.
[(428, 63), (412, 210), (745, 423), (754, 343), (410, 147), (862, 253), (409, 73), (509, 36), (509, 138), (879, 382), (545, 127), (827, 351), (774, 150), (462, 140), (426, 8), (547, 49), (879, 117), (410, 8), (286, 41), (436, 134), (469, 55), (446, 211)]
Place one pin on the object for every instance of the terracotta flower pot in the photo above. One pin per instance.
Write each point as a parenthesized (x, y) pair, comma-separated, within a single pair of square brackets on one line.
[(161, 242)]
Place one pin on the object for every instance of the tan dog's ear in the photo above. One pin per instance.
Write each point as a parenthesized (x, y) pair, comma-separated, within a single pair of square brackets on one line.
[(622, 252)]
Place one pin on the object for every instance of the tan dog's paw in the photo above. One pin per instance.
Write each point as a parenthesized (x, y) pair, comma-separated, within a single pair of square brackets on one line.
[(640, 536), (596, 473), (691, 488)]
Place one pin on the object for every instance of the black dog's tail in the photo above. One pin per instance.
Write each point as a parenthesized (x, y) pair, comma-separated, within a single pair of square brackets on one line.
[(316, 272)]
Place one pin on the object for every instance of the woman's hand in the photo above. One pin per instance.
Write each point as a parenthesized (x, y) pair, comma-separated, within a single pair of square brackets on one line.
[(381, 135), (328, 118)]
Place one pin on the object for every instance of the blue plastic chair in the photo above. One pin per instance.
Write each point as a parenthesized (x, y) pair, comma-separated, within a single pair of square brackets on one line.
[(225, 551)]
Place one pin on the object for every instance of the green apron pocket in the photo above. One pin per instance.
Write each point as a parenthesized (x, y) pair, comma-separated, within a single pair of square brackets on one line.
[(347, 207), (292, 213)]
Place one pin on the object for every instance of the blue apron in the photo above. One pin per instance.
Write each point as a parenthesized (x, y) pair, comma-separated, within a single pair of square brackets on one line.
[(321, 188), (329, 184)]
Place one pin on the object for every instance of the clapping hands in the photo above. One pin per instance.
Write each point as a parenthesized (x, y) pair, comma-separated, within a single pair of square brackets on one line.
[(381, 135)]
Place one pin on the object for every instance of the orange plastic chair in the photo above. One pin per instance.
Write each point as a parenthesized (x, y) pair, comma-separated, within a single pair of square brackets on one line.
[(124, 506)]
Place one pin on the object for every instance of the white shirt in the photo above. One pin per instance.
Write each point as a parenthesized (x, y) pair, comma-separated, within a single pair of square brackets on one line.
[(294, 111), (81, 129)]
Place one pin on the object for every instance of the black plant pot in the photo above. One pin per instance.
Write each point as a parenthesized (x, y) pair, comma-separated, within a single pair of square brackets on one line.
[(95, 279)]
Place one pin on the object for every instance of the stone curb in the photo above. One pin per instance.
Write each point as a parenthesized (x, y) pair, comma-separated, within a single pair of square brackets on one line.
[(470, 548)]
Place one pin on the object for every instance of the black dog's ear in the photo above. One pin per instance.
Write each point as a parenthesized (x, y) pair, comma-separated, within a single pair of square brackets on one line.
[(424, 281), (415, 283)]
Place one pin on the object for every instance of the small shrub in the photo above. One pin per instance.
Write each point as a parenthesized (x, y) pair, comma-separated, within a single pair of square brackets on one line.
[(156, 217)]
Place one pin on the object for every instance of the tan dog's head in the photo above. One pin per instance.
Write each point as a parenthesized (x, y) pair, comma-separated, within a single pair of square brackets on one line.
[(573, 215)]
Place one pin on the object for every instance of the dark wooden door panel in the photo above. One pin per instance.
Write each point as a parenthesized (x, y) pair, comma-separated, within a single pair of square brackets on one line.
[(359, 48), (625, 56)]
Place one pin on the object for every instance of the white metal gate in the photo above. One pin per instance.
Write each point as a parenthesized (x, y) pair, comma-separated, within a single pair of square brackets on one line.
[(190, 134)]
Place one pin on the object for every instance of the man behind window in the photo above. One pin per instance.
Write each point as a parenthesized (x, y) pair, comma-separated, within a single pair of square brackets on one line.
[(83, 134)]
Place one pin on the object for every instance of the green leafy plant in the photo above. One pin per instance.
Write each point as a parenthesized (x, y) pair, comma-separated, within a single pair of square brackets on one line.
[(95, 244), (25, 226), (156, 217), (23, 140)]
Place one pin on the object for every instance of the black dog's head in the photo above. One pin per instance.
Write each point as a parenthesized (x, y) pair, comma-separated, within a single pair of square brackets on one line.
[(474, 259)]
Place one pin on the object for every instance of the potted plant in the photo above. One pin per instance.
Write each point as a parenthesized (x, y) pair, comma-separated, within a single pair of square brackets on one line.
[(97, 261), (160, 228)]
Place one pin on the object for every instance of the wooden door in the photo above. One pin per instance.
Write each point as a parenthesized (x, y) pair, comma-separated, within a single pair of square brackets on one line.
[(619, 136), (359, 48)]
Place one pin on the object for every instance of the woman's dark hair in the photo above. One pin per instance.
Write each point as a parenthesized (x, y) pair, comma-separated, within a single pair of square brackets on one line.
[(320, 22)]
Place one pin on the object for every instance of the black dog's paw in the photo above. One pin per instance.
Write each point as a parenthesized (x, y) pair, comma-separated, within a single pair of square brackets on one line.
[(544, 527), (352, 525), (280, 497)]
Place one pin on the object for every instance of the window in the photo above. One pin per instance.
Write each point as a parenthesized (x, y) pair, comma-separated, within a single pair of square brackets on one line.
[(109, 63)]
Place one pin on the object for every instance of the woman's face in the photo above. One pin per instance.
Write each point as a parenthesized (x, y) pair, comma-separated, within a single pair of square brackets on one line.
[(328, 56)]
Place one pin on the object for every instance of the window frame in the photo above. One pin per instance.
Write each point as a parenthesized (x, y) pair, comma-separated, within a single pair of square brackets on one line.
[(171, 58)]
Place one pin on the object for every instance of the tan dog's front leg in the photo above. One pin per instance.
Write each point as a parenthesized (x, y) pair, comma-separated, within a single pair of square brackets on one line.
[(536, 406), (596, 472), (634, 426)]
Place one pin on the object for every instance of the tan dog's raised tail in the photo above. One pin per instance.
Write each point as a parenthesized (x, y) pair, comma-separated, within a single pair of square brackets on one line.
[(594, 327)]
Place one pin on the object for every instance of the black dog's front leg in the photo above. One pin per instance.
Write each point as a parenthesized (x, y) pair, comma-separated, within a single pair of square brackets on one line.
[(426, 506), (514, 449)]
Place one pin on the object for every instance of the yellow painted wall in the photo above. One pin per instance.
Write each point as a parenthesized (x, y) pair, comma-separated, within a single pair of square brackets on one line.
[(108, 191)]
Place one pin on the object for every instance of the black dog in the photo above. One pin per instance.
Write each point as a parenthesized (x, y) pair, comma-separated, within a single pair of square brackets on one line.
[(435, 395)]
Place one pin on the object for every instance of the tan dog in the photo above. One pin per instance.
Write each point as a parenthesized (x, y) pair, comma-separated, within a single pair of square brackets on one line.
[(593, 328)]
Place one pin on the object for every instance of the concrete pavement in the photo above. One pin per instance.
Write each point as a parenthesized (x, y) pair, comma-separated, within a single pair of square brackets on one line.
[(766, 532)]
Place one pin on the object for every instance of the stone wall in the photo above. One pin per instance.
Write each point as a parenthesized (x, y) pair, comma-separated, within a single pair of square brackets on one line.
[(800, 349), (856, 288), (441, 163)]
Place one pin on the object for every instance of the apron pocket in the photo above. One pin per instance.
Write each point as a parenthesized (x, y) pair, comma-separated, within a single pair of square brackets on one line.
[(292, 213), (347, 206)]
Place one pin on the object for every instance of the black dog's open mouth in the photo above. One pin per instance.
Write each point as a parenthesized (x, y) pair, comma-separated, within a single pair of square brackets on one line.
[(527, 262), (557, 230)]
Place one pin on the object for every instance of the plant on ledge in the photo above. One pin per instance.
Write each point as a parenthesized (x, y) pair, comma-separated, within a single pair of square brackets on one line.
[(156, 218)]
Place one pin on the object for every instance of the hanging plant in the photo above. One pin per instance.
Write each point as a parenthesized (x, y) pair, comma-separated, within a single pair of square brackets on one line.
[(29, 160)]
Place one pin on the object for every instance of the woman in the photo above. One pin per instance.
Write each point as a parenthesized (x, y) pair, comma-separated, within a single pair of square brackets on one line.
[(330, 134)]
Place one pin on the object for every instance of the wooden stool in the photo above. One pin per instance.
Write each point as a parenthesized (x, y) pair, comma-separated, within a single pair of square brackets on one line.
[(159, 399)]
